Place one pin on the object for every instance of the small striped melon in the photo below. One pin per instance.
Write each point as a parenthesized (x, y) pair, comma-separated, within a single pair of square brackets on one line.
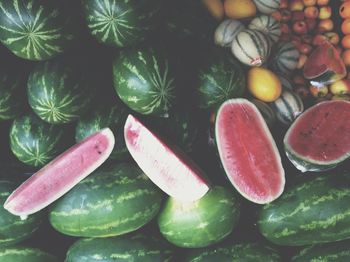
[(285, 82), (266, 111), (268, 24), (227, 31), (285, 58), (288, 107), (251, 47), (267, 6)]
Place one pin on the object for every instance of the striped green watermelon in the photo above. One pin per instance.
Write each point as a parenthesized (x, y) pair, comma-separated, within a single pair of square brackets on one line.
[(332, 252), (144, 81), (135, 247), (239, 252), (112, 201), (200, 223), (25, 254), (312, 212), (57, 92), (11, 95), (112, 116), (35, 142), (35, 29), (285, 58), (219, 80), (119, 22), (12, 229)]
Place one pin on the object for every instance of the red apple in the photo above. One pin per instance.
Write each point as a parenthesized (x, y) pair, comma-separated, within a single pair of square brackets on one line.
[(311, 23), (310, 2), (325, 12), (318, 39), (277, 15), (284, 28), (325, 25), (296, 5), (305, 48), (318, 91), (300, 27), (284, 4), (311, 12), (322, 2), (332, 37), (298, 16), (286, 15)]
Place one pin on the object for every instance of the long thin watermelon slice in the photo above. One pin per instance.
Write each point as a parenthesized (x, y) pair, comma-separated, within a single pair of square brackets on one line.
[(248, 151), (167, 167), (61, 174)]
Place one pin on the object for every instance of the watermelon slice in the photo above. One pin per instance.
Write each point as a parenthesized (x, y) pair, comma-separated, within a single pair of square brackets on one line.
[(167, 167), (319, 139), (248, 152), (324, 66), (61, 174)]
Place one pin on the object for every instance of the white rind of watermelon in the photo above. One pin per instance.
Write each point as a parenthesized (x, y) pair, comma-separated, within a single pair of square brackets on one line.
[(61, 174), (170, 170)]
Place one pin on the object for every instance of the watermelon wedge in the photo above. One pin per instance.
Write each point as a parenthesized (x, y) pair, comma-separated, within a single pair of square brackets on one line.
[(61, 174), (167, 167), (248, 151), (319, 139)]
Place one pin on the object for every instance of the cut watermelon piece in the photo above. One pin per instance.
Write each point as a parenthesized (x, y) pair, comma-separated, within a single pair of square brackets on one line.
[(167, 167), (61, 174), (248, 151), (319, 139), (324, 66)]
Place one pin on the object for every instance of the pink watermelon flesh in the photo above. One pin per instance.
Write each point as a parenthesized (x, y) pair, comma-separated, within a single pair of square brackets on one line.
[(248, 152), (61, 174), (167, 167), (322, 133)]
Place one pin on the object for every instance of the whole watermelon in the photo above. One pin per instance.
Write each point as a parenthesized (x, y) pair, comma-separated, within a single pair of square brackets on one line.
[(35, 29), (144, 81), (58, 92), (35, 142), (25, 254), (121, 23)]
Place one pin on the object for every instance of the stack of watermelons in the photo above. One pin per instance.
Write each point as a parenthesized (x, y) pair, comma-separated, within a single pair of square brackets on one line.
[(71, 68)]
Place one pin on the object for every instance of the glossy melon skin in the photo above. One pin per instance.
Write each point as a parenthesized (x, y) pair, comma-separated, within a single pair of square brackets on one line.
[(35, 29), (144, 81), (134, 247), (121, 23), (200, 223), (317, 140), (25, 254)]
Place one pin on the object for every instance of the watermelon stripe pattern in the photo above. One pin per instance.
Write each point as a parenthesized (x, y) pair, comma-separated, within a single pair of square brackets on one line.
[(25, 254), (34, 30), (121, 22), (288, 107)]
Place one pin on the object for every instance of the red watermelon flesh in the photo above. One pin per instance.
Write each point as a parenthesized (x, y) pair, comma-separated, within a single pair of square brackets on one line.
[(170, 169), (248, 152), (61, 174), (321, 134)]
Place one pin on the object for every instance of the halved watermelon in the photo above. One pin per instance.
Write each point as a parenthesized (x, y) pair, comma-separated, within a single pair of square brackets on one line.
[(319, 139), (166, 166), (248, 151), (61, 174)]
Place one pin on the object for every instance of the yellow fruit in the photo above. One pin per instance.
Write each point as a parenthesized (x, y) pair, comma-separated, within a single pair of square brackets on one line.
[(340, 87), (215, 8), (264, 84), (238, 9)]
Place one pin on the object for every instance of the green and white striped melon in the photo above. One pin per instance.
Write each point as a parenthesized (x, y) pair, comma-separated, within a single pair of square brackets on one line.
[(144, 81), (35, 29), (285, 58), (251, 47), (200, 223), (266, 111), (11, 95), (13, 229), (102, 116), (267, 6), (112, 201), (285, 82), (35, 142), (25, 254), (267, 24), (57, 92), (134, 247), (227, 31), (121, 23), (288, 107), (219, 80)]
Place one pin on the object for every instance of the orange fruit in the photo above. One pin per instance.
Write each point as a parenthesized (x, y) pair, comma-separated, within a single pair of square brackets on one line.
[(215, 8), (239, 9), (344, 10), (263, 84), (346, 57), (345, 26), (346, 41)]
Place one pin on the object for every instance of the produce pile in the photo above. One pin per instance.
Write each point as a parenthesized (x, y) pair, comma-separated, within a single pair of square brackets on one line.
[(160, 130)]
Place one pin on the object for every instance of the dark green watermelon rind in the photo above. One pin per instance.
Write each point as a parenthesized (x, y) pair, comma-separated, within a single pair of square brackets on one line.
[(25, 254), (311, 212), (323, 79)]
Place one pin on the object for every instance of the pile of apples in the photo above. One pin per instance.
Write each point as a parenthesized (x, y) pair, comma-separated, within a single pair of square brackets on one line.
[(344, 12)]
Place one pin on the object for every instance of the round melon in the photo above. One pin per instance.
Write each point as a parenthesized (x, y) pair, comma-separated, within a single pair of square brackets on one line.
[(267, 6), (13, 229), (144, 81), (58, 92), (35, 142), (267, 24), (199, 223), (25, 254), (121, 23), (227, 31), (112, 201), (285, 58), (35, 29)]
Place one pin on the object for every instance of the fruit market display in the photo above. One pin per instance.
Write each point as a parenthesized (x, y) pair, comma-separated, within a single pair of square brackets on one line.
[(210, 130)]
